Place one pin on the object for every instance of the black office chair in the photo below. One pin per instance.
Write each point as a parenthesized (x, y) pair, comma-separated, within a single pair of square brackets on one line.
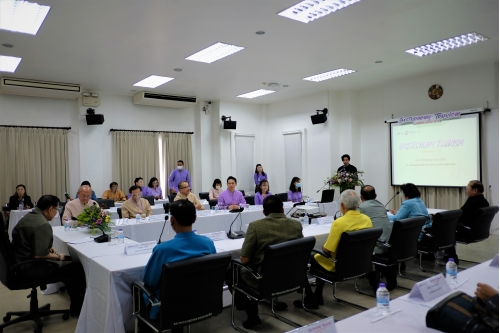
[(191, 291), (402, 245), (119, 211), (10, 278), (204, 195), (283, 196), (150, 199), (166, 207), (440, 236), (353, 260), (250, 200), (105, 203), (213, 202), (283, 272), (479, 229), (171, 197), (242, 192), (62, 213)]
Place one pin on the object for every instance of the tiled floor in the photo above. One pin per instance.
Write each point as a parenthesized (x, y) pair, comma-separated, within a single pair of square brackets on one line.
[(17, 301)]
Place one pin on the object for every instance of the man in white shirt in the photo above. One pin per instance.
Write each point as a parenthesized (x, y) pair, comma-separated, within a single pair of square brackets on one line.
[(75, 207)]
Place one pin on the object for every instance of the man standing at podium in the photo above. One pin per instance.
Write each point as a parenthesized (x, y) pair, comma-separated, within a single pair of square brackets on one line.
[(346, 167)]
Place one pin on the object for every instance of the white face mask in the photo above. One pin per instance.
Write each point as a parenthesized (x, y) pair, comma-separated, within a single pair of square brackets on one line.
[(217, 187), (179, 167)]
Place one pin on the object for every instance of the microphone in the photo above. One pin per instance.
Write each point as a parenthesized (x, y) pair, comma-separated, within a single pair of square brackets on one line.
[(327, 183), (392, 198), (302, 203), (237, 234), (67, 196), (166, 219)]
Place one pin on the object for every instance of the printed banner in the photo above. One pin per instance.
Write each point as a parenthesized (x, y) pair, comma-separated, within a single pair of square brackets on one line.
[(429, 118)]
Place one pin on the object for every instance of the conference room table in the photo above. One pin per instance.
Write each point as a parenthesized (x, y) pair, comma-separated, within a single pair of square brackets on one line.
[(156, 209), (157, 202), (16, 215)]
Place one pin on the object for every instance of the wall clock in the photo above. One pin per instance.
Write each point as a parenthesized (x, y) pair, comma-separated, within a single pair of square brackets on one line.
[(435, 91)]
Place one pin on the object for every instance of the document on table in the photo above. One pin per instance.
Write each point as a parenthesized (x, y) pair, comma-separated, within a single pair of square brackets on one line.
[(81, 240)]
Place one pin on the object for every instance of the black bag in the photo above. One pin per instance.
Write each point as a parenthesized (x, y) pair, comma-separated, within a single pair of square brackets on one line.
[(461, 313)]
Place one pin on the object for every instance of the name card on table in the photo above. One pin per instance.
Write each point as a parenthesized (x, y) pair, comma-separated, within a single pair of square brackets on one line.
[(324, 220), (494, 262), (140, 248), (430, 288), (216, 236), (326, 325), (157, 218)]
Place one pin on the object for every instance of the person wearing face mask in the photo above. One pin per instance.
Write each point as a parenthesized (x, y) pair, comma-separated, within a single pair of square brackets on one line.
[(412, 206), (295, 192), (136, 204), (216, 189), (177, 176)]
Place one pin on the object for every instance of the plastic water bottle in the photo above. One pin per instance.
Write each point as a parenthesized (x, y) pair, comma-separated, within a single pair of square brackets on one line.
[(308, 201), (216, 209), (120, 236), (21, 204), (137, 218), (382, 300), (451, 272), (66, 225), (305, 221)]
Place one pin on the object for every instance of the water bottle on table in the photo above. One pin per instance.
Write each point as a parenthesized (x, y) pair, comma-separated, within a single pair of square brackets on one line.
[(120, 237), (137, 218), (451, 272), (66, 225), (305, 220), (383, 300), (216, 209), (21, 204)]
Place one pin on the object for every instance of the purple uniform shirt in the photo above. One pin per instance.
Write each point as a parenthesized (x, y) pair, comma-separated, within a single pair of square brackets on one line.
[(155, 192), (294, 196), (227, 198), (257, 177), (259, 200), (144, 191), (178, 176)]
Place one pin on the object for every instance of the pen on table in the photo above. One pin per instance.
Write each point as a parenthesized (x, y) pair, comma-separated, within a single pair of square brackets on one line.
[(387, 315)]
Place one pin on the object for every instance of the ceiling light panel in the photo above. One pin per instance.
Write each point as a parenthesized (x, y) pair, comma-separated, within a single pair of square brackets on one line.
[(447, 44), (153, 81), (310, 10), (256, 93), (22, 16), (214, 53), (9, 64), (329, 75)]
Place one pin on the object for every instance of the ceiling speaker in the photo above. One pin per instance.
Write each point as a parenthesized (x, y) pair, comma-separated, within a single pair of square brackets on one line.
[(318, 118), (229, 124)]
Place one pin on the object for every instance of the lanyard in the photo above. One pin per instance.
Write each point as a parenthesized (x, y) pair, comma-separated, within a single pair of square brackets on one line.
[(140, 207)]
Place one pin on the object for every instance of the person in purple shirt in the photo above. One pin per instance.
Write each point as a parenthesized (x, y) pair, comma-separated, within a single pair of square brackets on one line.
[(295, 193), (177, 176), (231, 198), (154, 189), (139, 182), (263, 192), (258, 176)]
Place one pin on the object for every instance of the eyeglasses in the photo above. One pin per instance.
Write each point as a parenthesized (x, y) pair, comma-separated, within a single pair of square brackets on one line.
[(185, 187)]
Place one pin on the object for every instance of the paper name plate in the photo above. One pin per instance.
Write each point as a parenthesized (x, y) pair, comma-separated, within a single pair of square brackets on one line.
[(216, 236), (494, 262), (157, 218), (430, 288), (324, 220), (326, 325), (139, 248)]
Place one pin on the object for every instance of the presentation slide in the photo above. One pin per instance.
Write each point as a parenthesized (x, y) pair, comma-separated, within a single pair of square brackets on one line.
[(445, 153)]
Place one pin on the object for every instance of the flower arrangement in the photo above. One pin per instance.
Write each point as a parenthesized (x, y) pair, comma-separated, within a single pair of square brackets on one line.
[(95, 219), (345, 180)]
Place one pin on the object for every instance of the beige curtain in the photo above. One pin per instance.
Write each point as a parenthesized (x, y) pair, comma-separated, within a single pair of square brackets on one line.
[(35, 157), (135, 154), (435, 197), (176, 146)]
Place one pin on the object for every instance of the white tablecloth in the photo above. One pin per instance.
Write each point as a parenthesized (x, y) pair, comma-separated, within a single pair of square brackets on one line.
[(157, 202), (157, 209), (17, 215)]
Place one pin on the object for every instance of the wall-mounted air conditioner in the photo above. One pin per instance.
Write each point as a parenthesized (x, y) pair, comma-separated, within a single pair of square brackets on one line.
[(166, 101), (25, 87)]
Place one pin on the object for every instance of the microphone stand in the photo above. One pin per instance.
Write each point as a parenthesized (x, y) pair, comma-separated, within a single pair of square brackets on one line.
[(166, 219), (327, 183), (238, 234), (392, 198)]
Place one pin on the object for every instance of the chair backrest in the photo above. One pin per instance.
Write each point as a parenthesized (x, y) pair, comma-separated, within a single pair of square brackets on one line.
[(106, 203), (404, 239), (192, 290), (250, 200), (204, 195), (150, 199), (283, 196), (61, 214), (171, 197), (166, 207), (480, 228), (6, 255), (119, 211), (284, 267), (213, 202), (444, 226), (242, 192), (354, 253)]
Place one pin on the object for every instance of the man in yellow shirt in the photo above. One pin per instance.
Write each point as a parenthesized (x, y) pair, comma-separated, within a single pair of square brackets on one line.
[(351, 220), (185, 193), (114, 193)]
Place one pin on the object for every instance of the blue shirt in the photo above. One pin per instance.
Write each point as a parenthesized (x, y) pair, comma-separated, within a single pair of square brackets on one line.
[(92, 197), (259, 200), (185, 245), (178, 176), (412, 208)]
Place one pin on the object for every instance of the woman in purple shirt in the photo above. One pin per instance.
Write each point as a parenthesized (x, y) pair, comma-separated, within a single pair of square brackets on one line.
[(262, 193), (144, 190), (258, 176), (154, 189), (231, 198), (295, 193)]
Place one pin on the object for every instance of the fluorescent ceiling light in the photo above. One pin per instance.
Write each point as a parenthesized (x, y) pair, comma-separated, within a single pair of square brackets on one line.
[(256, 93), (22, 16), (214, 53), (153, 81), (329, 75), (9, 64), (310, 10), (447, 44)]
